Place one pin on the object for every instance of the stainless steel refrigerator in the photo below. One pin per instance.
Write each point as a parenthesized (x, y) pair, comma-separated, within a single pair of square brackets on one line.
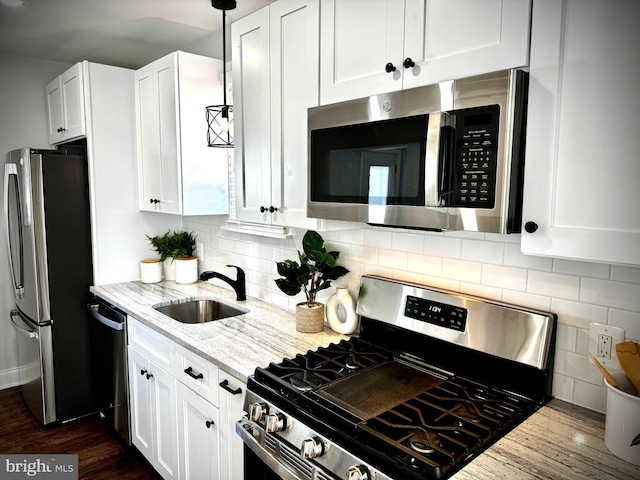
[(48, 230)]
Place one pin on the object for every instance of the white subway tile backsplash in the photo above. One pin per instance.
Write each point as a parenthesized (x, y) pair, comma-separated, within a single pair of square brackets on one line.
[(554, 285), (513, 257), (625, 274), (447, 247), (504, 277), (630, 321), (481, 251), (392, 259), (625, 296), (578, 314), (590, 396), (584, 269), (461, 270), (485, 265), (407, 242)]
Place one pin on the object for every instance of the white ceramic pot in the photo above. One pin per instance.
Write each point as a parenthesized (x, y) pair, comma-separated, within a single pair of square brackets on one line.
[(622, 424), (150, 270), (341, 312), (169, 269), (186, 270)]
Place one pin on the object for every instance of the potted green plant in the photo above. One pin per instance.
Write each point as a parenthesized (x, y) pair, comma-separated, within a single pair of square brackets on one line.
[(313, 273), (176, 251)]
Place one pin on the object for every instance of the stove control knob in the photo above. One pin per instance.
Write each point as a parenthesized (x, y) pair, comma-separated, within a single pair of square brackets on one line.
[(275, 422), (312, 448), (257, 411), (358, 472)]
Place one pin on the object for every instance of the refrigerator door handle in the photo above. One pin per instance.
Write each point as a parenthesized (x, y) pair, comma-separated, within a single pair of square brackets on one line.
[(22, 331), (11, 169)]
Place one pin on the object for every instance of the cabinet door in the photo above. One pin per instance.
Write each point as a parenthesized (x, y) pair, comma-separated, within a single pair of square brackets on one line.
[(55, 119), (358, 38), (156, 110), (165, 422), (581, 169), (140, 404), (294, 88), (450, 39), (72, 86), (250, 43), (232, 392), (198, 428)]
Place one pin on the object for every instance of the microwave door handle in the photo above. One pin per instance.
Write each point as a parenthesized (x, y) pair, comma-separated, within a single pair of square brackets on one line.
[(447, 159), (431, 160), (10, 169)]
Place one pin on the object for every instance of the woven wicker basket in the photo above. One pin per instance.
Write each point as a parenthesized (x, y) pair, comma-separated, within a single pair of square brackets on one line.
[(310, 319)]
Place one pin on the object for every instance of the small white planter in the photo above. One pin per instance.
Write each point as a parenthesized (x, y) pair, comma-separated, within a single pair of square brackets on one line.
[(150, 270), (186, 269), (169, 269)]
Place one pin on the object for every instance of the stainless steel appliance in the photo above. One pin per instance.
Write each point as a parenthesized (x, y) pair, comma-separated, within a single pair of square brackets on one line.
[(443, 157), (433, 379), (109, 360), (47, 225)]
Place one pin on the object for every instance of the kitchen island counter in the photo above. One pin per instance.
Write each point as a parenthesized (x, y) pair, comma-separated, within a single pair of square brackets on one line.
[(559, 442)]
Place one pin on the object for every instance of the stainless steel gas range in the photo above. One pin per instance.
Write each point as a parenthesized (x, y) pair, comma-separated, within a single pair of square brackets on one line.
[(433, 379)]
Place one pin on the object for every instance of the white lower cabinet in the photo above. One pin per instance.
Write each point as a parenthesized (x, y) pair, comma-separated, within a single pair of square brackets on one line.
[(154, 413), (183, 414), (198, 436)]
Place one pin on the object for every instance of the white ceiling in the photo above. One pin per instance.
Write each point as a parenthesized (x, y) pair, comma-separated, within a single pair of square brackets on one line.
[(126, 33)]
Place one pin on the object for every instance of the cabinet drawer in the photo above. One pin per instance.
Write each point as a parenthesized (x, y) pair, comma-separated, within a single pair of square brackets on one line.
[(198, 374), (152, 344)]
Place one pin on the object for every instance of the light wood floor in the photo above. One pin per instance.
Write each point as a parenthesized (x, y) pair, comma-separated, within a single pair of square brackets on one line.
[(100, 454)]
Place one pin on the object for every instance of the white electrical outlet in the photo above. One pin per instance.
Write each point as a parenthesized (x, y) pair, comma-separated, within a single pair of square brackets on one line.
[(602, 344)]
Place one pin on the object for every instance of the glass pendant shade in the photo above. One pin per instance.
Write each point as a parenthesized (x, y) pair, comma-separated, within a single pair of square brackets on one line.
[(220, 117)]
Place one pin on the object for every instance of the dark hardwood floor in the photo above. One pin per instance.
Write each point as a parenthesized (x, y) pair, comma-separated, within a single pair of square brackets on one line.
[(100, 454)]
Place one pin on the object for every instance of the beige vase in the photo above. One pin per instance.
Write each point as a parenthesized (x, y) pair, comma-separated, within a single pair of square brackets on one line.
[(310, 318)]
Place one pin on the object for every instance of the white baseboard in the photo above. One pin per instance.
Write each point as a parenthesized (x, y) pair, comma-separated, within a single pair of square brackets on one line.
[(9, 378)]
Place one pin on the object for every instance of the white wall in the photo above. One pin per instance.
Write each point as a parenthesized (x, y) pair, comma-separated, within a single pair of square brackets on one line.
[(487, 265), (23, 114)]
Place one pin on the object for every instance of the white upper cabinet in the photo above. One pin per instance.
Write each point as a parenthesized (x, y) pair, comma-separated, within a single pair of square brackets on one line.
[(65, 106), (177, 172), (581, 196), (400, 44), (275, 65)]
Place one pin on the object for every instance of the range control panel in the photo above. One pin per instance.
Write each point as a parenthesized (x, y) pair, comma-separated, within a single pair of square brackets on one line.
[(440, 314)]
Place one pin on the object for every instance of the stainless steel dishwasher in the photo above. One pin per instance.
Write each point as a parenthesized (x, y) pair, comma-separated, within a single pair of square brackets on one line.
[(109, 365)]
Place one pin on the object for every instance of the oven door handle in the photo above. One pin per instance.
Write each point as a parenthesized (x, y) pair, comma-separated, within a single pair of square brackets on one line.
[(243, 429)]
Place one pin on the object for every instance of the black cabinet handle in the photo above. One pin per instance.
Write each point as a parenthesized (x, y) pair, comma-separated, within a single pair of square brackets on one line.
[(273, 209), (263, 209), (209, 423), (408, 63), (189, 371), (530, 227), (389, 68), (225, 384), (142, 372)]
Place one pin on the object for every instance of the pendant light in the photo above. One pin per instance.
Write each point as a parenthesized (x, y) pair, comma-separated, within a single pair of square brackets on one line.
[(220, 117)]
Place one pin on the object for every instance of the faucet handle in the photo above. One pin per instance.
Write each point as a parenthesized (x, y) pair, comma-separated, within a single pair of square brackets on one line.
[(240, 286), (238, 269)]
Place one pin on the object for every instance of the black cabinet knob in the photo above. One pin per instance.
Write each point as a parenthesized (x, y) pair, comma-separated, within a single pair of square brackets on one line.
[(273, 209), (142, 372), (408, 63), (209, 423), (60, 130), (154, 200), (530, 227), (263, 209), (389, 68)]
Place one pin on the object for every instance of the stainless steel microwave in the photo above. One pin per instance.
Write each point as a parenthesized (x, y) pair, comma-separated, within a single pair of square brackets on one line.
[(447, 156)]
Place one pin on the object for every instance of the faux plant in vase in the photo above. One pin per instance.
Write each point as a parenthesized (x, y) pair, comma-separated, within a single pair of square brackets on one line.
[(313, 273), (176, 251)]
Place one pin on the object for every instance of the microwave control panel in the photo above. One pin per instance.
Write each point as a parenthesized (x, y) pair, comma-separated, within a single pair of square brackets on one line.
[(473, 183)]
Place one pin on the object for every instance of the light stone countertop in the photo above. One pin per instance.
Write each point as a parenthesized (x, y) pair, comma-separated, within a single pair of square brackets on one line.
[(559, 442), (237, 345)]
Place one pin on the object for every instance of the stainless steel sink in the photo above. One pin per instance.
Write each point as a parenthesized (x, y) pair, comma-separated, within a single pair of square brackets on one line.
[(199, 311)]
